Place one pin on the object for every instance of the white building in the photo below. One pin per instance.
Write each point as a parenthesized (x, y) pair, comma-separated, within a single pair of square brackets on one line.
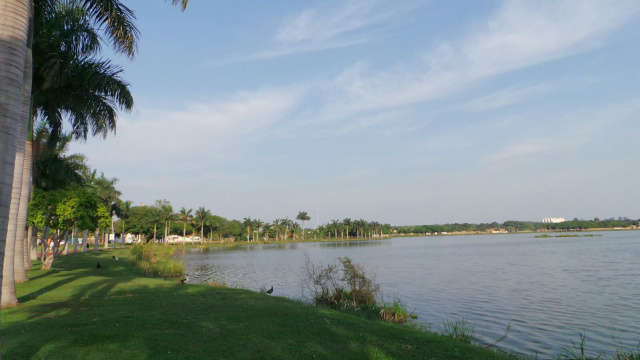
[(553, 220)]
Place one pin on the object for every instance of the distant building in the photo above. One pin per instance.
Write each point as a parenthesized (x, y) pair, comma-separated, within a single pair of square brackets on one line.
[(553, 220)]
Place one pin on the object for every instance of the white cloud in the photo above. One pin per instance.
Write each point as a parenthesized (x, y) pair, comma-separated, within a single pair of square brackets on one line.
[(508, 97), (519, 34), (214, 129), (524, 33), (335, 24), (525, 149)]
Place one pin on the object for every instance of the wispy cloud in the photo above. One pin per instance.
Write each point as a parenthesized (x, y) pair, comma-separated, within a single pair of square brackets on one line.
[(519, 34), (334, 24), (508, 97), (214, 129)]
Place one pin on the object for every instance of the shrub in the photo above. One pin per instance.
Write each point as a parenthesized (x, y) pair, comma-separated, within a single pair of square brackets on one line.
[(355, 288), (395, 311), (154, 260)]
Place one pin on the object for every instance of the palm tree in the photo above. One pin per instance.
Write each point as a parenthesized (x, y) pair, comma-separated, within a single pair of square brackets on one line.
[(266, 227), (347, 223), (201, 215), (257, 225), (14, 79), (335, 224), (69, 79), (276, 226), (247, 223), (53, 168), (125, 213), (302, 216), (166, 215), (186, 216), (106, 190)]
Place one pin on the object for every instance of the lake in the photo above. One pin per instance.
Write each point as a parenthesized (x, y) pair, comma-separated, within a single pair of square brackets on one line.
[(547, 289)]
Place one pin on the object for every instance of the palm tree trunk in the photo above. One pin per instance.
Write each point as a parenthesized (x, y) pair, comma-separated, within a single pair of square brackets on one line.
[(14, 28), (122, 235), (22, 262), (95, 240), (33, 244), (27, 249), (8, 297)]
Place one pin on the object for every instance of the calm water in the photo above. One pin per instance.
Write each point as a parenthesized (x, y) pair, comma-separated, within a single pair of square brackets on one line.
[(549, 290)]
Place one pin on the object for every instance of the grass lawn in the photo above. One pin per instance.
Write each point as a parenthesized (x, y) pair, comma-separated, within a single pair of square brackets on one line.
[(76, 311)]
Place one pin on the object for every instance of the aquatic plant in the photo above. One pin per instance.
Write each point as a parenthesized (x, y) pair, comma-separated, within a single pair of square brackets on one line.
[(460, 330)]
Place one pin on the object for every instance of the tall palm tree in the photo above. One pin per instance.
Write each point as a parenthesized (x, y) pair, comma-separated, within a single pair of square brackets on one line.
[(69, 79), (14, 59), (202, 214), (302, 216), (186, 216), (257, 225), (53, 168), (347, 223), (276, 226), (247, 223), (106, 190), (266, 227)]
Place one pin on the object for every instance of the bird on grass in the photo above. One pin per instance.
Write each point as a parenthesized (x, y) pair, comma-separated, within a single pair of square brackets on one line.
[(184, 281), (115, 258), (270, 291), (98, 266)]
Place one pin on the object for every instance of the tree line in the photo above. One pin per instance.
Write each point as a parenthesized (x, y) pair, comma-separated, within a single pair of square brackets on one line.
[(520, 226)]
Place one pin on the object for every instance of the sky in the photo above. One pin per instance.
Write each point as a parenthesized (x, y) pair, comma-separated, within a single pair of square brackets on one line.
[(404, 112)]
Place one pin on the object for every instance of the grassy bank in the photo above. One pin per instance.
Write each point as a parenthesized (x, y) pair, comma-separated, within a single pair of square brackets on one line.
[(76, 311)]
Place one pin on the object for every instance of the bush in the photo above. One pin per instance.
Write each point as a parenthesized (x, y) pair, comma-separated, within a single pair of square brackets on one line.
[(396, 311), (154, 260), (354, 289)]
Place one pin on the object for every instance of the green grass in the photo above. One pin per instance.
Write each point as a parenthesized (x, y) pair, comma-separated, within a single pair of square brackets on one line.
[(76, 311)]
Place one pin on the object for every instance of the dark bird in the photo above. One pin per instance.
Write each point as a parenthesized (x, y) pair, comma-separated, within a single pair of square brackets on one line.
[(184, 281), (98, 266), (270, 291), (115, 258)]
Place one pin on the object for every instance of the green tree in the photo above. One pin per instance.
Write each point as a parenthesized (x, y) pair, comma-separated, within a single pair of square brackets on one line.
[(106, 190), (166, 215), (302, 216), (186, 216), (247, 223), (346, 223), (201, 215)]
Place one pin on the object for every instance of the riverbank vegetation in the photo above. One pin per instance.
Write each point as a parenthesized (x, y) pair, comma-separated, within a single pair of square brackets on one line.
[(347, 286), (79, 311), (155, 260)]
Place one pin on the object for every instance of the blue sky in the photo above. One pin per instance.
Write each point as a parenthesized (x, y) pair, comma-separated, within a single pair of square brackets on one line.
[(402, 112)]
